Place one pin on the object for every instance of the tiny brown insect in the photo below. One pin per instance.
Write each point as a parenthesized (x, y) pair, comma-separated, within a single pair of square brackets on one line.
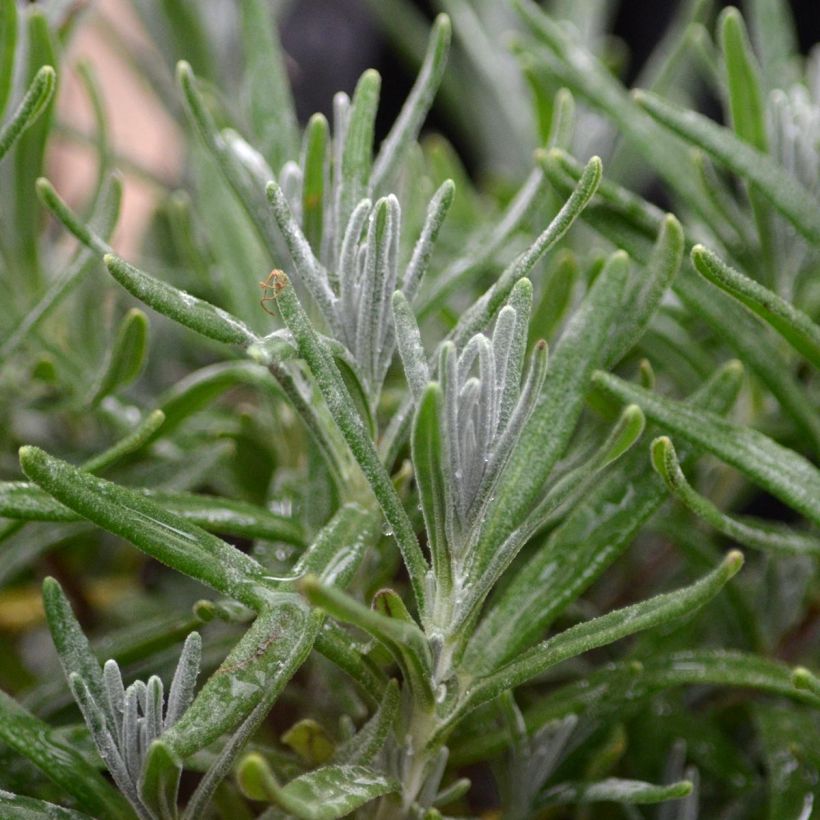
[(269, 287)]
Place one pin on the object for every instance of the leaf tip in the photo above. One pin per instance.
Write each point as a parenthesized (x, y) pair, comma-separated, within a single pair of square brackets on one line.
[(255, 777), (733, 562), (658, 450)]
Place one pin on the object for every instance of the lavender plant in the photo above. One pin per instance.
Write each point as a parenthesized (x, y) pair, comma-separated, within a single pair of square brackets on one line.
[(403, 553)]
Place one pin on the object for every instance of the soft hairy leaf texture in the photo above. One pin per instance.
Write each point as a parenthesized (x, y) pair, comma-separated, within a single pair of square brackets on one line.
[(289, 572)]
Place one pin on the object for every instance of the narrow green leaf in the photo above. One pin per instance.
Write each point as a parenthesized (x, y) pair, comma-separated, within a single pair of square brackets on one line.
[(335, 644), (553, 419), (804, 679), (27, 502), (315, 178), (310, 270), (617, 688), (104, 219), (645, 290), (189, 311), (613, 790), (18, 807), (337, 550), (30, 152), (479, 315), (248, 191), (33, 104), (183, 308), (35, 740), (408, 337), (127, 357), (363, 747), (357, 149), (159, 781), (408, 124), (792, 324), (571, 64), (782, 472), (431, 480), (73, 648), (272, 111), (405, 641), (161, 534), (323, 794), (743, 75), (754, 533), (629, 222), (785, 193), (252, 676), (604, 630), (341, 407), (8, 48), (146, 431)]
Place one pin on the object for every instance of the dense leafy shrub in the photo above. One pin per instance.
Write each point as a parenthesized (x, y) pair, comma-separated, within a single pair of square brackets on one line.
[(419, 569)]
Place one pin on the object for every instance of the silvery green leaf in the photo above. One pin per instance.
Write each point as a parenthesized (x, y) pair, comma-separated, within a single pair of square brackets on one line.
[(183, 685), (784, 192), (613, 688), (35, 740), (603, 630), (755, 533), (555, 413), (614, 790), (19, 807), (400, 635), (781, 471), (355, 145), (309, 268), (432, 480), (341, 407), (790, 322), (272, 111), (255, 672), (412, 353), (163, 535), (73, 648), (326, 793), (408, 124), (422, 251), (32, 105), (127, 357)]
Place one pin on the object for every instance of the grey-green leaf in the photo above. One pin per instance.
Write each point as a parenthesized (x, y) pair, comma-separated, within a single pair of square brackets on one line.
[(326, 793), (163, 535), (783, 472)]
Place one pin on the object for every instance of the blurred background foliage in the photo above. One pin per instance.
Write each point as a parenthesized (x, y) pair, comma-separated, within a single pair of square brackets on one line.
[(82, 365)]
